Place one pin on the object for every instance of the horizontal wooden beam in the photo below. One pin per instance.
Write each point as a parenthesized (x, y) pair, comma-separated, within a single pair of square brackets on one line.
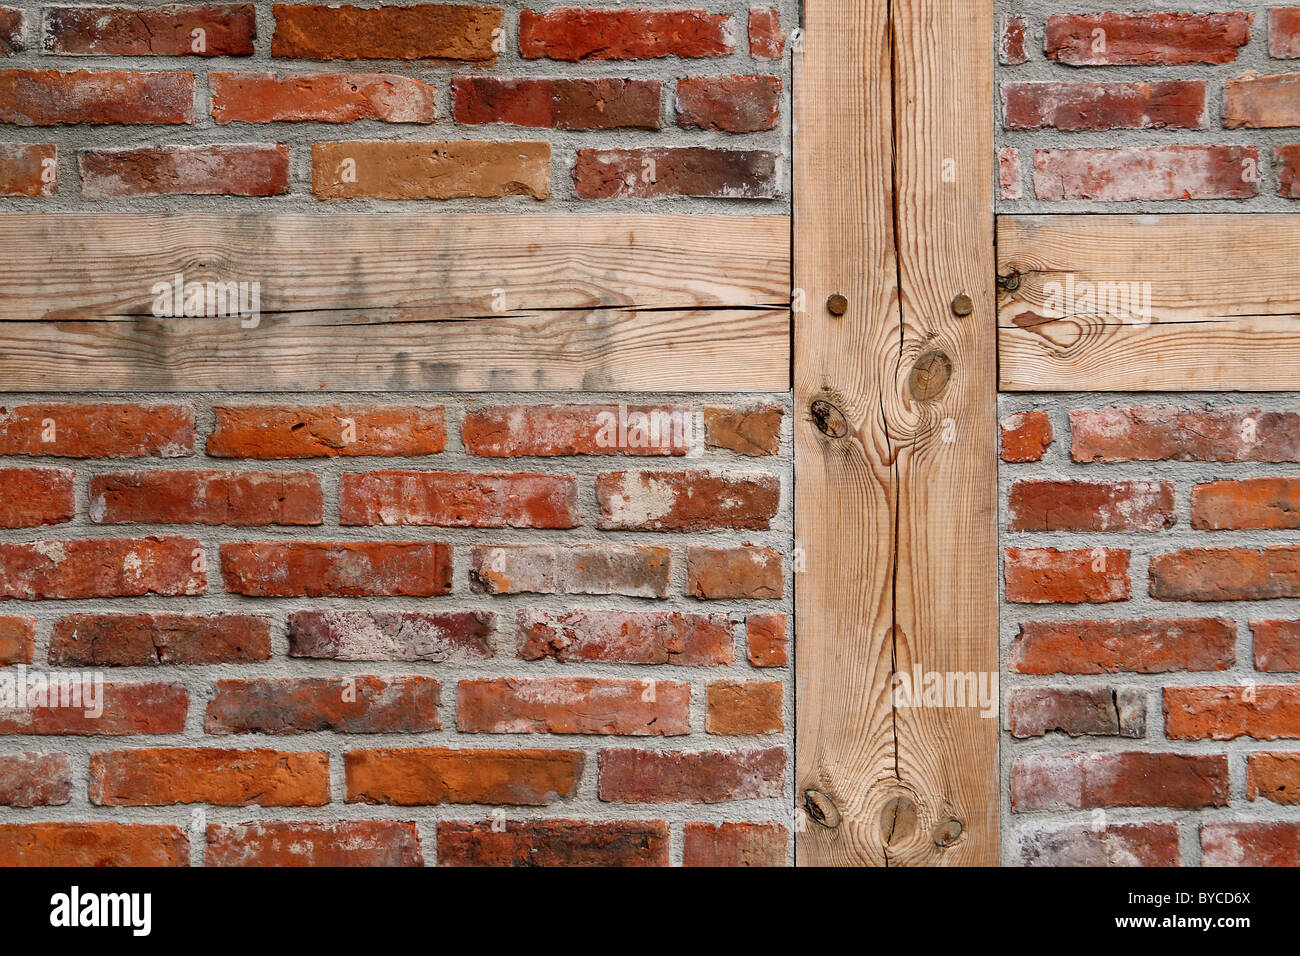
[(1150, 303), (368, 302)]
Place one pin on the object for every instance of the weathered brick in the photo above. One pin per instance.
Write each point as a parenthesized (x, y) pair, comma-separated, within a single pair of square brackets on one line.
[(1114, 844), (225, 778), (553, 843), (1131, 173), (657, 171), (391, 635), (346, 705), (766, 38), (421, 776), (1078, 712), (653, 637), (1026, 436), (35, 779), (1226, 574), (93, 844), (101, 568), (601, 103), (629, 570), (510, 431), (753, 431), (31, 497), (1080, 576), (1250, 844), (740, 572), (320, 98), (1011, 40), (1166, 433), (97, 97), (1253, 503), (97, 431), (1145, 646), (247, 169), (114, 710), (11, 30), (1284, 33), (17, 639), (248, 498), (735, 844), (575, 33), (340, 843), (1287, 161), (730, 104), (1147, 39), (29, 169), (1169, 104), (767, 641), (573, 705), (329, 431), (687, 500), (1226, 713), (709, 776), (447, 499), (339, 569), (1251, 101), (226, 29), (1011, 186), (1277, 645), (407, 169), (1090, 506), (1274, 776), (1134, 779), (420, 31), (749, 707), (145, 640)]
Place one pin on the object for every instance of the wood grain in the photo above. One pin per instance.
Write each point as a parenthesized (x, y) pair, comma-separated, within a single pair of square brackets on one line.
[(1150, 303)]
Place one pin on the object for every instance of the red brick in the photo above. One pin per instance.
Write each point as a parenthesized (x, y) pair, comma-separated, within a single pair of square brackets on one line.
[(1026, 436), (1096, 780), (1249, 504), (1115, 844), (1284, 33), (687, 500), (1287, 161), (509, 431), (1250, 844), (320, 98), (29, 169), (97, 431), (11, 30), (730, 104), (741, 572), (736, 844), (145, 640), (97, 97), (329, 431), (1261, 102), (1011, 41), (35, 780), (573, 705), (225, 778), (1274, 776), (766, 638), (1010, 186), (1171, 104), (710, 776), (1078, 712), (1166, 433), (630, 570), (754, 431), (1226, 574), (553, 843), (391, 635), (1150, 39), (766, 38), (1135, 173), (558, 103), (250, 498), (346, 705), (653, 637), (338, 569), (751, 707), (422, 776), (575, 33), (227, 30), (127, 709), (93, 844), (101, 568), (1090, 506), (1146, 646), (341, 843), (1277, 645), (17, 639), (31, 497), (421, 31), (251, 169), (1082, 576), (1226, 713), (658, 171), (459, 499), (407, 169)]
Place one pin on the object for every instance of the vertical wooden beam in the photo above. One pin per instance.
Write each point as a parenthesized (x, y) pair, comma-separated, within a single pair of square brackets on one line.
[(896, 472)]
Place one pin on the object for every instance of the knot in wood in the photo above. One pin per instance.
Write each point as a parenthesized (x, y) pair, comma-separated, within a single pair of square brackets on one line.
[(830, 421), (821, 809), (930, 376), (946, 834)]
